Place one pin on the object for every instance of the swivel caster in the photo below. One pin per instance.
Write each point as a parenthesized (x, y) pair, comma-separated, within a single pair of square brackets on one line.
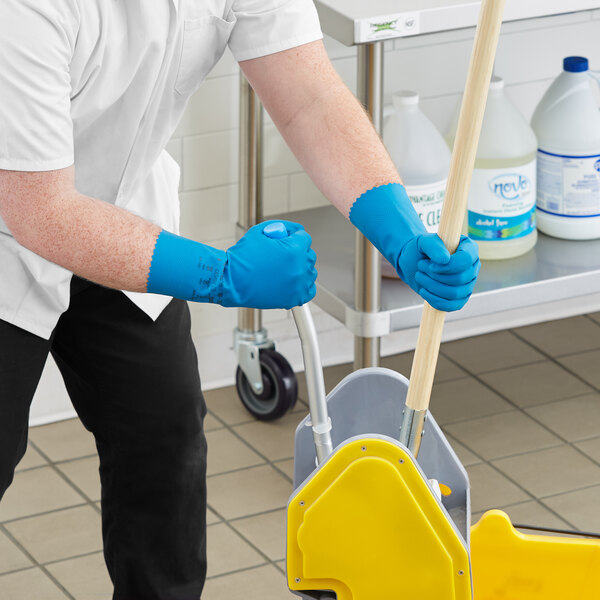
[(280, 387)]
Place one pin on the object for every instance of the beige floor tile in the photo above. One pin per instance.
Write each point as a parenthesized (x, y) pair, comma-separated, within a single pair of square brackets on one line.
[(585, 364), (551, 471), (595, 316), (264, 583), (60, 534), (31, 459), (581, 508), (287, 466), (86, 578), (466, 457), (226, 405), (11, 557), (84, 474), (227, 453), (267, 532), (228, 552), (490, 489), (563, 336), (212, 517), (211, 423), (502, 435), (248, 492), (464, 399), (64, 440), (536, 384), (575, 419), (37, 491), (280, 564), (591, 448), (273, 439), (446, 370), (31, 584), (491, 352), (535, 514)]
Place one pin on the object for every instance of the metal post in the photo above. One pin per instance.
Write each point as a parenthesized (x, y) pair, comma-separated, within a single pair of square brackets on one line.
[(250, 182), (367, 278), (250, 336)]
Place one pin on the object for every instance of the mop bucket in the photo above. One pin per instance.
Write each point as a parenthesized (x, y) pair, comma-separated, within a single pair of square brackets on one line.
[(510, 565), (367, 520)]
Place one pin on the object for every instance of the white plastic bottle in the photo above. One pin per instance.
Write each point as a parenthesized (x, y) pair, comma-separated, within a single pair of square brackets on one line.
[(501, 207), (567, 124), (422, 158)]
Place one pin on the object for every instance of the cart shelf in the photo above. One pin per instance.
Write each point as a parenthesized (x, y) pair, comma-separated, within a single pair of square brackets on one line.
[(364, 21), (554, 270)]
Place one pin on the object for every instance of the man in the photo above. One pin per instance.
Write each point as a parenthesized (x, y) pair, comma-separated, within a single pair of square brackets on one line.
[(91, 91)]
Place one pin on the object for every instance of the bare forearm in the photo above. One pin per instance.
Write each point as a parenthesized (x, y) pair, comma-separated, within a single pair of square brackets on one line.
[(325, 126), (93, 239)]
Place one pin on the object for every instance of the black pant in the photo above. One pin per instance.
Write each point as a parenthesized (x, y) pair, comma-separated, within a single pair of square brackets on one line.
[(135, 386)]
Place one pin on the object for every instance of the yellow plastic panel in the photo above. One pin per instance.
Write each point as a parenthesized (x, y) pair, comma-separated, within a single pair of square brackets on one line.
[(367, 526), (509, 565)]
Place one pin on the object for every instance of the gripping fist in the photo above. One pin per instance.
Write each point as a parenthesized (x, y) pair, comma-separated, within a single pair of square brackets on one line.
[(445, 281), (266, 272)]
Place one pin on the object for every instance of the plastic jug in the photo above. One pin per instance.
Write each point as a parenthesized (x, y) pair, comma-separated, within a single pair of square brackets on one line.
[(501, 207), (422, 158), (567, 124)]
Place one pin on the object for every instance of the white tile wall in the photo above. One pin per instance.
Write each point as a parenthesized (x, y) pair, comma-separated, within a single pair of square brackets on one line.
[(206, 142)]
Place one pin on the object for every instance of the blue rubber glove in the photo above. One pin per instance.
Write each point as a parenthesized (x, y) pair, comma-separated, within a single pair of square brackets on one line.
[(259, 271), (271, 272), (386, 217)]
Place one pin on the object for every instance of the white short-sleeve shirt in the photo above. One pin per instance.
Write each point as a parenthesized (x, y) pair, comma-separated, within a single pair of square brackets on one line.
[(102, 84)]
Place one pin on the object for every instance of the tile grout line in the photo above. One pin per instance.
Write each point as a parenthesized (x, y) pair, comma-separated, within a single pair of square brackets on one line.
[(536, 420), (226, 521), (582, 380), (44, 514), (66, 479), (495, 468), (36, 564), (556, 362), (237, 571)]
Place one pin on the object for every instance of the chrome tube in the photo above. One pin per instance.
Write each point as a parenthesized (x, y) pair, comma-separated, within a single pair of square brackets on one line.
[(317, 402), (367, 278), (250, 182), (411, 431)]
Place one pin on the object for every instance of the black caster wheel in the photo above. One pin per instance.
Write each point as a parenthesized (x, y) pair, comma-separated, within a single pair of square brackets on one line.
[(280, 387)]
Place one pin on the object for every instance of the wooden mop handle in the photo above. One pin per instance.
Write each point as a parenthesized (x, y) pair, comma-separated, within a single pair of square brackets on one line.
[(457, 190)]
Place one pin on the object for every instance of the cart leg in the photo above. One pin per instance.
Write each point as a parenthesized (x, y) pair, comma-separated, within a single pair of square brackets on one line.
[(250, 335), (367, 290), (265, 381)]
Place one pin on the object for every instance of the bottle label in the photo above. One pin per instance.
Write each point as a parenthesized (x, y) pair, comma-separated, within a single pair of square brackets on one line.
[(428, 200), (568, 186), (502, 203)]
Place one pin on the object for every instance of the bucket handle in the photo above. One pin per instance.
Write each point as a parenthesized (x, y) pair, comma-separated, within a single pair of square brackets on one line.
[(317, 402)]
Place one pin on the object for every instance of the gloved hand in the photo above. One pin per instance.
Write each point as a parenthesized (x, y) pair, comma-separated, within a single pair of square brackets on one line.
[(257, 272), (267, 272), (386, 217)]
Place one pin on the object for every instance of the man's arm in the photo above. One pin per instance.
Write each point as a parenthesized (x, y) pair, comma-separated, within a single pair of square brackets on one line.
[(112, 247), (322, 122), (94, 239), (334, 140)]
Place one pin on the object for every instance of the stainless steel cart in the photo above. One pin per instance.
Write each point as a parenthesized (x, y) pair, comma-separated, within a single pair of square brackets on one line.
[(349, 285)]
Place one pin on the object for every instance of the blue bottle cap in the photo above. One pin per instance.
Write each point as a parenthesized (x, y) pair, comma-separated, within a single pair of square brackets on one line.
[(275, 230), (575, 64)]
